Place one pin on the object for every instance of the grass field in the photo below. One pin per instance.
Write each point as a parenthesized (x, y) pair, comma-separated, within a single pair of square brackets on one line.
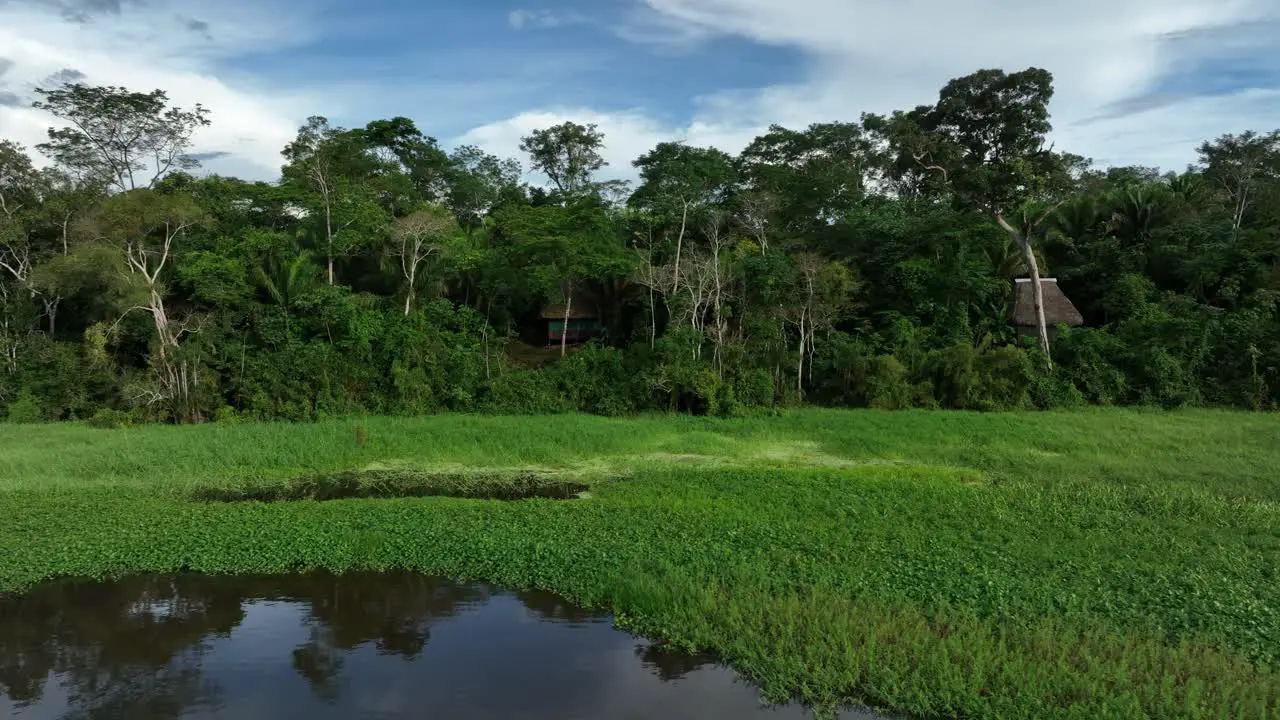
[(1089, 564)]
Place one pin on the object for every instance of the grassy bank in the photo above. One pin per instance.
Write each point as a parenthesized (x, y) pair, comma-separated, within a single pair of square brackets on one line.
[(1086, 564)]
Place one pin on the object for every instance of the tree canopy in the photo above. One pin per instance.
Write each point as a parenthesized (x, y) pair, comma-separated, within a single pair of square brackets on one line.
[(855, 262)]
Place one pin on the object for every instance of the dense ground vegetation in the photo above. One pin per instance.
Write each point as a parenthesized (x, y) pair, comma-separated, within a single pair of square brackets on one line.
[(863, 263), (1085, 564)]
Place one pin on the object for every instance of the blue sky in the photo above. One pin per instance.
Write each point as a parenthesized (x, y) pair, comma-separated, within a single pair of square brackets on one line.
[(493, 59), (1138, 81)]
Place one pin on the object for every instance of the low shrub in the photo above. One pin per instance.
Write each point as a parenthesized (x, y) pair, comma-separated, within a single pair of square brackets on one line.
[(25, 409), (111, 419)]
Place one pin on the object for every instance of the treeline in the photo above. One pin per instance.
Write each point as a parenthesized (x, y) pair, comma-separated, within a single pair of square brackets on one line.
[(866, 263)]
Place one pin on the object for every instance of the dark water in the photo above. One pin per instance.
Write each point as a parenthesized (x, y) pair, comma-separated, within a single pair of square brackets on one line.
[(351, 646), (492, 485)]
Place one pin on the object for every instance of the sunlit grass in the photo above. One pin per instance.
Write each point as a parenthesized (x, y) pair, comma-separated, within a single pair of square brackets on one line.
[(1091, 564)]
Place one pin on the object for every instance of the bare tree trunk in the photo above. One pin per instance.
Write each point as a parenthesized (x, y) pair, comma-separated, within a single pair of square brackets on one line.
[(717, 316), (177, 379), (684, 218), (408, 295), (653, 320), (488, 311), (51, 311), (564, 331), (1037, 292), (330, 261), (322, 181), (9, 343), (1241, 205), (800, 365)]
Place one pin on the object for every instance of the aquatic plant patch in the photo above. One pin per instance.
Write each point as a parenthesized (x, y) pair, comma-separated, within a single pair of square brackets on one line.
[(1108, 564)]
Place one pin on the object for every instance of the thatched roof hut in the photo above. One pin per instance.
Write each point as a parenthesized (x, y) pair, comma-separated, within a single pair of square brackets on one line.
[(584, 320), (1058, 309)]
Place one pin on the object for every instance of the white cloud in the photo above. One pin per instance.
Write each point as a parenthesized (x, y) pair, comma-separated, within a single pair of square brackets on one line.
[(873, 56), (628, 135), (157, 46), (860, 55)]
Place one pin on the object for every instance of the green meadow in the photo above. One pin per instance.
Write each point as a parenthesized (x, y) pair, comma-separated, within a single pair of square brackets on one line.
[(1086, 564)]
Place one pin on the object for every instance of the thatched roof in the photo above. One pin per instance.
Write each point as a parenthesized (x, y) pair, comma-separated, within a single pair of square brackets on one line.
[(582, 308), (1057, 308)]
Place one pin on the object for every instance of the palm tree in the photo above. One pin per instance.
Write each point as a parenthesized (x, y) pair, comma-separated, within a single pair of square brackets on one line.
[(285, 280), (1076, 220), (1137, 212)]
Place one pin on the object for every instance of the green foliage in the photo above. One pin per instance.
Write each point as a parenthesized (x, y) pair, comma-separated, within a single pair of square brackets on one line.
[(1085, 357), (525, 392), (26, 408), (846, 264), (59, 380), (1064, 564), (108, 419), (568, 154), (1060, 564), (490, 485), (754, 388), (599, 380), (886, 384), (125, 139)]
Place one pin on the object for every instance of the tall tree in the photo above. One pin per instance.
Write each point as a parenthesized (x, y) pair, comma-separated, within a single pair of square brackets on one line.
[(568, 154), (477, 182), (679, 186), (817, 174), (36, 213), (1240, 165), (123, 138), (405, 150), (145, 227), (985, 138), (18, 199), (417, 238), (995, 123), (330, 164)]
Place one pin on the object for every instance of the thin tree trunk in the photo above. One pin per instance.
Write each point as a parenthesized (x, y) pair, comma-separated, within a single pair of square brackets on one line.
[(653, 319), (1037, 294), (408, 295), (684, 217), (1241, 205), (718, 319), (328, 236), (564, 331), (800, 365), (488, 312), (51, 311)]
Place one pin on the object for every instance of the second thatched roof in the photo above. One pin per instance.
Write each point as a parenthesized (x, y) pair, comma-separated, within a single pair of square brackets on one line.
[(577, 312), (1057, 307)]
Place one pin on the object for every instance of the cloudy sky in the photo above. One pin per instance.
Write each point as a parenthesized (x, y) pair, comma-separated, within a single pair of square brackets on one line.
[(1138, 81)]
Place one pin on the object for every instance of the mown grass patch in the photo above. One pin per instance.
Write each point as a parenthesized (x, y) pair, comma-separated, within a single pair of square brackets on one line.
[(1093, 564)]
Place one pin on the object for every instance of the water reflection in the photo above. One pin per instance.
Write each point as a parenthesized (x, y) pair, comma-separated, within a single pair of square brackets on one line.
[(357, 645)]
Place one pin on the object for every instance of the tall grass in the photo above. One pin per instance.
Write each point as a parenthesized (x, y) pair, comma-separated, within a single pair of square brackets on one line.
[(1091, 564)]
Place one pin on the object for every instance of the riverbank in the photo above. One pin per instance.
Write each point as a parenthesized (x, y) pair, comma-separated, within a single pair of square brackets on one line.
[(1100, 563)]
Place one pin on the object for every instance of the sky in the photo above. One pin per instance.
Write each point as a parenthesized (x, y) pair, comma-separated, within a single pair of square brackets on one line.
[(1137, 81)]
